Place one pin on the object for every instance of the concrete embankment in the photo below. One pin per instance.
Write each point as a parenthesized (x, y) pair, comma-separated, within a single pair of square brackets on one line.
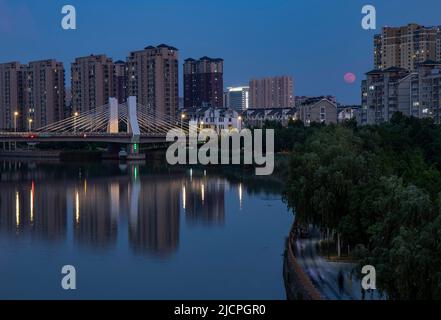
[(30, 154), (297, 283), (51, 154)]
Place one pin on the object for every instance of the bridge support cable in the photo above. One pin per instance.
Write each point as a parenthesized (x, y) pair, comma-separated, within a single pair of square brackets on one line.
[(140, 121), (85, 122)]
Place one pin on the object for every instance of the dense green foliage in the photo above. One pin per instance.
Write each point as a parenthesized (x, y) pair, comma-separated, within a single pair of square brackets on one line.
[(379, 187)]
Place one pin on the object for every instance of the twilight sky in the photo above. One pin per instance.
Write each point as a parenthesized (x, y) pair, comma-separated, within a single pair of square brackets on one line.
[(315, 41)]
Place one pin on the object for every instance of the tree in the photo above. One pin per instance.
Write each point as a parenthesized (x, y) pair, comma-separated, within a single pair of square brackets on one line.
[(379, 187)]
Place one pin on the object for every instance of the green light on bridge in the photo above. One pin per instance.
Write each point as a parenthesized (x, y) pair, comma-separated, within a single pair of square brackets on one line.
[(135, 147), (135, 173)]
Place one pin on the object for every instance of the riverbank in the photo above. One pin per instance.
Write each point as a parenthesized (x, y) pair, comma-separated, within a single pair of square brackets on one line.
[(74, 155), (297, 283)]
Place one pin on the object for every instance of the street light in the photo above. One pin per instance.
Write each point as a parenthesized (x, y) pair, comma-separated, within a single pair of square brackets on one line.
[(30, 124), (75, 120), (182, 119), (16, 114)]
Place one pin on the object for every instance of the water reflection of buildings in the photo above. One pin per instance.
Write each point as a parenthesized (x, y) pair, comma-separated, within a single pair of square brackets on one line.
[(154, 219), (203, 200), (97, 211), (94, 208), (92, 214), (150, 205), (24, 208)]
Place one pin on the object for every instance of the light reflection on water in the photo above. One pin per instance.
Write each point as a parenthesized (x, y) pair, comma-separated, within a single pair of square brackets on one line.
[(138, 231)]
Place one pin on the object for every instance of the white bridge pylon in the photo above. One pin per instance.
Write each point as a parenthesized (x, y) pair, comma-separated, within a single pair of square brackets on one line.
[(113, 126), (137, 120), (132, 118)]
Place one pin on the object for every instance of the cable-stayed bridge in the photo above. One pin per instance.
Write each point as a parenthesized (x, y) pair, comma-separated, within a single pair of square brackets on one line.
[(129, 123)]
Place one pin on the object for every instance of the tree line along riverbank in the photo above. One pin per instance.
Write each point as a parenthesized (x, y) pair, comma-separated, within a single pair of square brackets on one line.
[(379, 189)]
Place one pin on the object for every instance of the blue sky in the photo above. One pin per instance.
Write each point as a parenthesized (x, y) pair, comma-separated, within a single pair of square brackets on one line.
[(315, 41)]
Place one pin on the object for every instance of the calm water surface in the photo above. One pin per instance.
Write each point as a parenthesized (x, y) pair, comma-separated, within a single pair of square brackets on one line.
[(139, 232)]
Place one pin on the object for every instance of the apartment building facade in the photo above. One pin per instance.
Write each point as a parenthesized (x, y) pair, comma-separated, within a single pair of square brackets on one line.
[(256, 118), (237, 98), (120, 81), (153, 77), (406, 46), (416, 94), (31, 96), (11, 95), (203, 82), (217, 119), (318, 111), (272, 92), (44, 95), (92, 82)]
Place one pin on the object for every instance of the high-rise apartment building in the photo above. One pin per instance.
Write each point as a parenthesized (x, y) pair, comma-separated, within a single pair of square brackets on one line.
[(153, 76), (31, 96), (438, 44), (203, 82), (416, 94), (237, 98), (429, 90), (120, 81), (44, 95), (92, 82), (272, 92), (406, 46), (11, 96)]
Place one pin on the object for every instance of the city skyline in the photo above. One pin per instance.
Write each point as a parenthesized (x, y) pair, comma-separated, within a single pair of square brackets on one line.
[(246, 150), (295, 50)]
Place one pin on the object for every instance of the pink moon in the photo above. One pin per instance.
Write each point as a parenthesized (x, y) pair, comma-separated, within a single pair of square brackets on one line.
[(350, 77)]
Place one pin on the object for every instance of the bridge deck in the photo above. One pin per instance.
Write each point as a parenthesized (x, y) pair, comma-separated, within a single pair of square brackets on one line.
[(80, 137)]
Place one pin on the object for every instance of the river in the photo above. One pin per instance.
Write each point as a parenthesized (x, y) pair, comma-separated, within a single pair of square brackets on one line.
[(139, 231)]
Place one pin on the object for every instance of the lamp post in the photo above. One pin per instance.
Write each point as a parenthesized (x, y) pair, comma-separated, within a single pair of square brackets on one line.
[(75, 121), (239, 123), (15, 120), (30, 124), (182, 119)]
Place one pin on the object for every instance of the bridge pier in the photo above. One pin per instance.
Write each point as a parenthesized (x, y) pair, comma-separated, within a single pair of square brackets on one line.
[(133, 152), (133, 129)]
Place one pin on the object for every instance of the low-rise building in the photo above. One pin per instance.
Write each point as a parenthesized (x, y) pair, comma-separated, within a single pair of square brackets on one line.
[(217, 119), (258, 117), (348, 112), (300, 100), (319, 110)]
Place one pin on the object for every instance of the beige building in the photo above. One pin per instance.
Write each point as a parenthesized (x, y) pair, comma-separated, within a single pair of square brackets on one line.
[(11, 95), (44, 93), (318, 111), (153, 78), (416, 94), (31, 96), (92, 82), (272, 92), (406, 46)]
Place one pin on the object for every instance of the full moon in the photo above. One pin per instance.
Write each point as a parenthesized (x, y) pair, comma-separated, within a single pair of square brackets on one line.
[(350, 77)]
